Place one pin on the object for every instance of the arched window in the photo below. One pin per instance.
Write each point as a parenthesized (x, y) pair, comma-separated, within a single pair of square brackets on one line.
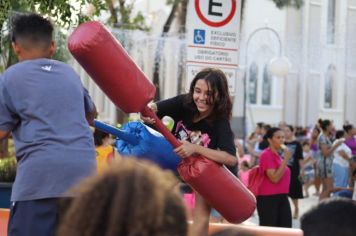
[(266, 86), (331, 24), (252, 85), (330, 78)]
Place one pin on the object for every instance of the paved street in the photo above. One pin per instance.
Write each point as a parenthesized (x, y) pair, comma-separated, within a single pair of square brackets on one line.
[(304, 205)]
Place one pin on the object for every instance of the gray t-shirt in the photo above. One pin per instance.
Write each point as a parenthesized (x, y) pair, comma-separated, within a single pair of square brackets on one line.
[(43, 103)]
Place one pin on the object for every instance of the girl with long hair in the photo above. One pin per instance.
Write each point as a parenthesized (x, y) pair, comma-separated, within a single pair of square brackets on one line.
[(206, 109)]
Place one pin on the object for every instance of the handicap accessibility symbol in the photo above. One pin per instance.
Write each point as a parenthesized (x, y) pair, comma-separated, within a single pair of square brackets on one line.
[(199, 36)]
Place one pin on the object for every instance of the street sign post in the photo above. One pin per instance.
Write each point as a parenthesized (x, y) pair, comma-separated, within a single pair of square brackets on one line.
[(213, 37)]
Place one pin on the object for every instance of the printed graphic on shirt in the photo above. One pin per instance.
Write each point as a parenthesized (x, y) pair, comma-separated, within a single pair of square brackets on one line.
[(291, 148), (195, 136)]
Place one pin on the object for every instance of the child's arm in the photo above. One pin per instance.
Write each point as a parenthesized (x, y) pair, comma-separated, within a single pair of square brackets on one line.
[(90, 108)]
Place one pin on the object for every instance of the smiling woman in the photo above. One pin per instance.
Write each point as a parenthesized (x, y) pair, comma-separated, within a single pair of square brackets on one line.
[(205, 111)]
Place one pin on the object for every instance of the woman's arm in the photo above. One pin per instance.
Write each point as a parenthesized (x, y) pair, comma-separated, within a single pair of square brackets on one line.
[(276, 174), (172, 107), (149, 120), (188, 149), (343, 154), (328, 151), (307, 160)]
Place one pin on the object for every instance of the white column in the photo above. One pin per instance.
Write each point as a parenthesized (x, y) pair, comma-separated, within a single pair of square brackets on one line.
[(301, 119)]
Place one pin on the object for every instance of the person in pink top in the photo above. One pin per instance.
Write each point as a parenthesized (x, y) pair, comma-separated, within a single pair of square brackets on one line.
[(272, 201), (244, 172)]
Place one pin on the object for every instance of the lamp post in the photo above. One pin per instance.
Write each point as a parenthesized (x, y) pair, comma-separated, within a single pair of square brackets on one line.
[(279, 67)]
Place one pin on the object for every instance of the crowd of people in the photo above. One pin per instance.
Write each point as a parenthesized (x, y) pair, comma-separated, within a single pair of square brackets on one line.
[(58, 190), (323, 157)]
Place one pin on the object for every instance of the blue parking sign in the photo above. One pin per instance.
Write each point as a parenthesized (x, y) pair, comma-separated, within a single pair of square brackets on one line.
[(199, 36)]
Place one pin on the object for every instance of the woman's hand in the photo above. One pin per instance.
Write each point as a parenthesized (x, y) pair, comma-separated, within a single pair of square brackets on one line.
[(339, 142), (187, 149), (149, 120)]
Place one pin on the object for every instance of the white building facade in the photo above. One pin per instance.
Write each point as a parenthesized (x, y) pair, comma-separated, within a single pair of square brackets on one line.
[(319, 41)]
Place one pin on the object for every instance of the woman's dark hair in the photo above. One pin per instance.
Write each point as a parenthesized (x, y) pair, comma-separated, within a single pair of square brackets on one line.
[(339, 134), (305, 143), (266, 127), (270, 132), (324, 124), (290, 127), (99, 136), (260, 125), (317, 129), (130, 198), (245, 164), (347, 127), (219, 98)]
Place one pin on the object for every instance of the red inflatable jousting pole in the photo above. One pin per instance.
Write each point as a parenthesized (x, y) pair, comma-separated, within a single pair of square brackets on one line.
[(108, 64)]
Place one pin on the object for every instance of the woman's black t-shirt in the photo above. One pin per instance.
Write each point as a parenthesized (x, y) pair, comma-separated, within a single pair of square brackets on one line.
[(218, 131)]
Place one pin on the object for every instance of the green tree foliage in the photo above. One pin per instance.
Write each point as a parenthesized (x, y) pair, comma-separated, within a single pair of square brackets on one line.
[(121, 16), (286, 3), (61, 12)]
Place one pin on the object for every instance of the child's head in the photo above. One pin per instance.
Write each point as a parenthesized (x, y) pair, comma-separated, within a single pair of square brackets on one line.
[(130, 198), (264, 129), (306, 146), (209, 94), (259, 127), (100, 137), (32, 37), (244, 165), (288, 131), (339, 134)]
